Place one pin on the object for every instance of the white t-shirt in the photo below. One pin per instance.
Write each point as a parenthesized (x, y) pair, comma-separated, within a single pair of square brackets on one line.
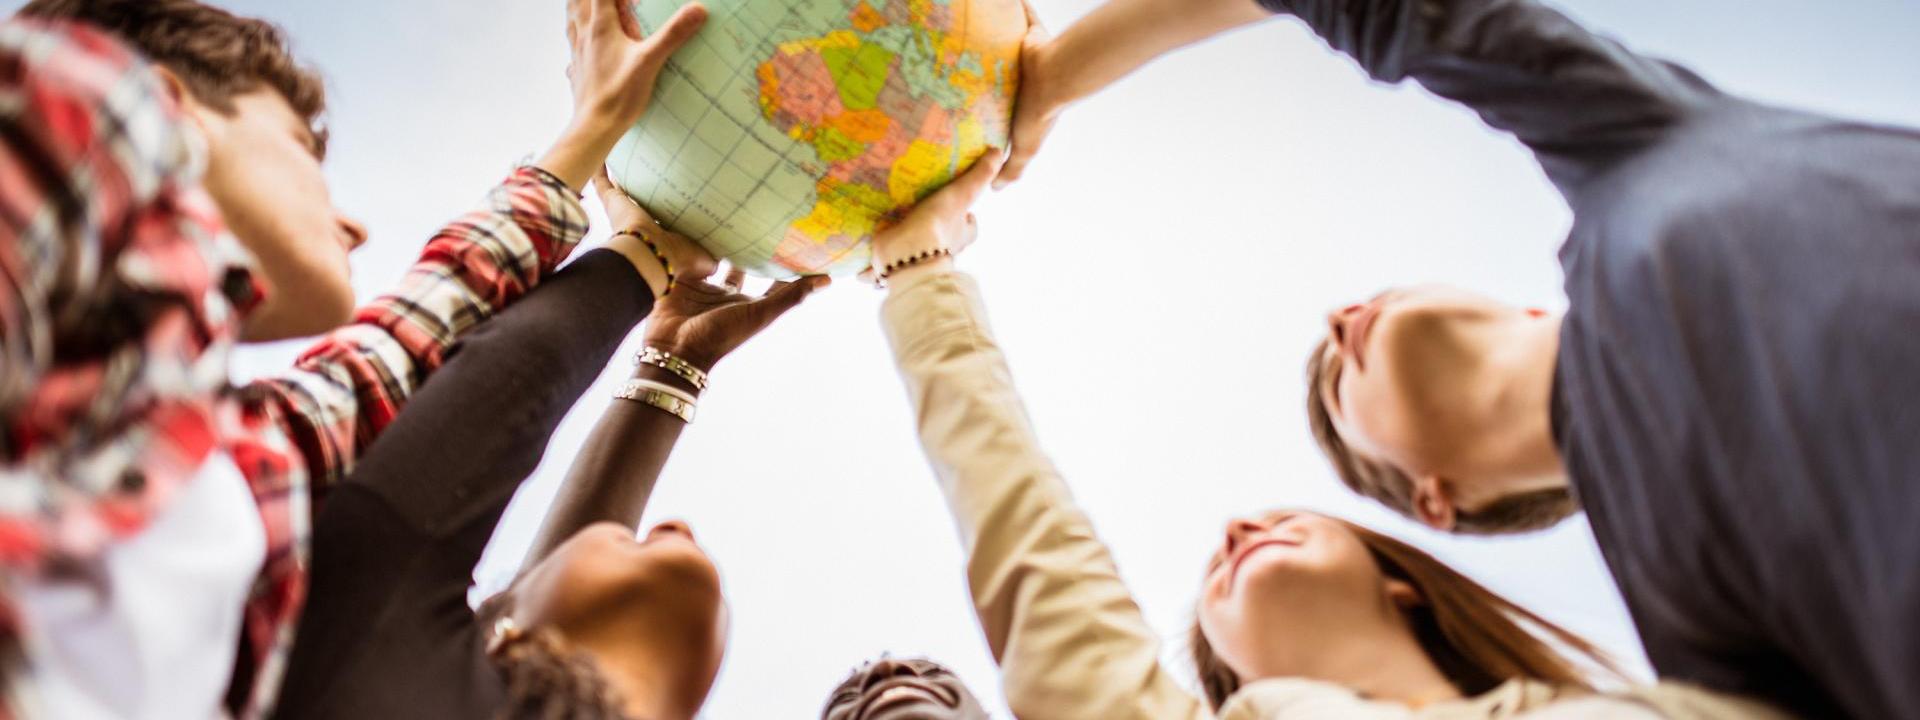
[(157, 640)]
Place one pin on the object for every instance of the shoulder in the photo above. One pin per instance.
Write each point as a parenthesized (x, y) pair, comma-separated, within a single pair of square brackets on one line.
[(1681, 701), (1305, 699)]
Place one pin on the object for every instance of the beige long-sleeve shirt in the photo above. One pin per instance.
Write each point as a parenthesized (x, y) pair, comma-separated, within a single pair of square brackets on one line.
[(1069, 639)]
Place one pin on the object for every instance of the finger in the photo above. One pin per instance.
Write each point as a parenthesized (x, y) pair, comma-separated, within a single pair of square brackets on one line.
[(786, 297), (672, 34), (603, 17), (611, 196), (968, 233), (578, 14), (630, 20), (1027, 138), (868, 276), (1034, 26), (963, 191), (735, 278)]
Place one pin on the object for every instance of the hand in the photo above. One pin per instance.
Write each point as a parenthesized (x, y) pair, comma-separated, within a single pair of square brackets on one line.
[(1036, 106), (940, 221), (615, 64), (690, 261), (701, 323)]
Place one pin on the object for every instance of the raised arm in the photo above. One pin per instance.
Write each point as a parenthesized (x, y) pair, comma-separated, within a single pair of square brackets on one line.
[(348, 387), (1107, 44), (417, 512), (1069, 639), (687, 334), (1576, 99)]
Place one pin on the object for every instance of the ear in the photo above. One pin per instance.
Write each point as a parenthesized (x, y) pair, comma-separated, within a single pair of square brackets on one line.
[(175, 87), (181, 95), (1432, 503), (1404, 595)]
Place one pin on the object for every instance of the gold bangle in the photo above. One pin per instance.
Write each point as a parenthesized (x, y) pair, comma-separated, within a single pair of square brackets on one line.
[(658, 396), (664, 360)]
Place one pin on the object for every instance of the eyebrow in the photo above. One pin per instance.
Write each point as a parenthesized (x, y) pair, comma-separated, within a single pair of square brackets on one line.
[(317, 136)]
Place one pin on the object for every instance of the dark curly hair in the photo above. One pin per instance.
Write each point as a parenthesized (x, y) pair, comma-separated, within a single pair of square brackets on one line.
[(545, 680), (215, 53)]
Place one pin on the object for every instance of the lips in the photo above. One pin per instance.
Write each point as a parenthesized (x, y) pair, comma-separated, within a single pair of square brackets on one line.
[(1246, 551), (898, 692)]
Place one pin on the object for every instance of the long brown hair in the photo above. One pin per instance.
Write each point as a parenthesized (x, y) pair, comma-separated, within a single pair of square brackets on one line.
[(1477, 638)]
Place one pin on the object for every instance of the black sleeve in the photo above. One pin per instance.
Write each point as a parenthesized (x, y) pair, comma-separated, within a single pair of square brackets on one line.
[(1578, 100), (395, 544)]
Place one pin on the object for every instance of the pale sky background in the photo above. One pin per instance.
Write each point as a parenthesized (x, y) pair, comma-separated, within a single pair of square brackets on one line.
[(1182, 237)]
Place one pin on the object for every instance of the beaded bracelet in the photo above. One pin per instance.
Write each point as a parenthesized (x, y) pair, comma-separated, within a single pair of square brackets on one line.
[(912, 260), (657, 255)]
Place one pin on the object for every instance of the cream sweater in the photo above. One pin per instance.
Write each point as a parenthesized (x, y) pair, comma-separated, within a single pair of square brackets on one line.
[(1069, 639)]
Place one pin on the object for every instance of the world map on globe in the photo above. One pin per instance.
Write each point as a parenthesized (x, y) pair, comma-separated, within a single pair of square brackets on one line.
[(787, 132)]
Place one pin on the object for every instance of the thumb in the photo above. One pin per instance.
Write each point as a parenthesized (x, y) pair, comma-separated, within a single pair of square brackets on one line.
[(677, 30), (1027, 137), (967, 188), (602, 183), (784, 297)]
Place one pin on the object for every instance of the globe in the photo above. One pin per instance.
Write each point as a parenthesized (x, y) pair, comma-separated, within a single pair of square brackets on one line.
[(787, 132)]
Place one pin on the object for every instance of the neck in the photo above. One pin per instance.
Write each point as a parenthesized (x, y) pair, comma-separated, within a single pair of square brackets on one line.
[(639, 681), (1519, 454), (1385, 663)]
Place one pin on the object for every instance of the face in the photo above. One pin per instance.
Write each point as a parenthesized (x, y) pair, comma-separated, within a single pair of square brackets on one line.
[(903, 690), (655, 599), (1404, 373), (263, 170), (1284, 575)]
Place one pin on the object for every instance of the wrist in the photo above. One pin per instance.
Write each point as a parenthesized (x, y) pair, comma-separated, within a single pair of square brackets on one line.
[(579, 153), (1050, 83), (665, 377), (913, 274), (594, 128), (901, 244), (653, 271), (700, 358)]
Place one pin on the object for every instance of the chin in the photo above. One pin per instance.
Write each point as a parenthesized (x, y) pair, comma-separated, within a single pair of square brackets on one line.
[(318, 303), (288, 319)]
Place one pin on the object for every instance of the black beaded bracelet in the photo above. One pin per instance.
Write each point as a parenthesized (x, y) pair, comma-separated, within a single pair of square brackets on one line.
[(912, 260), (665, 264)]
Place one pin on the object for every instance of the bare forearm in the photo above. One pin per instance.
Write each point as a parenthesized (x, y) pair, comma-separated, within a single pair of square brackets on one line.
[(1122, 35), (616, 470), (580, 151)]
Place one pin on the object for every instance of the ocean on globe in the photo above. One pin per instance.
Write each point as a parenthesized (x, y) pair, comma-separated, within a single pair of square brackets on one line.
[(788, 131)]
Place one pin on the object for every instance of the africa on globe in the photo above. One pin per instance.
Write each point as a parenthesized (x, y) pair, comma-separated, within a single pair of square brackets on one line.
[(787, 132)]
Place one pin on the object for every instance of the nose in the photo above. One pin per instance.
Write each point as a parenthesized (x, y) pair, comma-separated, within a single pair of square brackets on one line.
[(885, 668), (356, 233), (1238, 531), (1339, 320), (673, 526)]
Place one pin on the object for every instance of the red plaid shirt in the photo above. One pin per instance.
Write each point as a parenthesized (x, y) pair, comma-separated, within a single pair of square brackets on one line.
[(114, 444)]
